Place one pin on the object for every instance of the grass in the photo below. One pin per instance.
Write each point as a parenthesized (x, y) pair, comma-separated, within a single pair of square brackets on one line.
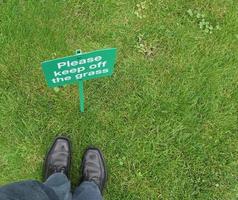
[(167, 119)]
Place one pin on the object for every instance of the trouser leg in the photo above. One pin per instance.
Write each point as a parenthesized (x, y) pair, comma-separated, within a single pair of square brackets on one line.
[(61, 186), (87, 191), (27, 190)]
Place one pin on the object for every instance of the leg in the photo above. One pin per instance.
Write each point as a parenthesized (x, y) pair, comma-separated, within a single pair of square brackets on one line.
[(57, 166), (27, 190), (93, 176), (61, 186), (87, 191)]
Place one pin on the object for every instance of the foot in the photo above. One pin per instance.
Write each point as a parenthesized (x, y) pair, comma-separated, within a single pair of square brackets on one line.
[(93, 167), (58, 158)]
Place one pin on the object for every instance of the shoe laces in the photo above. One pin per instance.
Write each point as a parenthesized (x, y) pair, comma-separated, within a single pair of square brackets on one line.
[(58, 169)]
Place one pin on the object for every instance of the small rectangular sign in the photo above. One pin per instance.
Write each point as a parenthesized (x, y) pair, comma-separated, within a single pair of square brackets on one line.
[(85, 66)]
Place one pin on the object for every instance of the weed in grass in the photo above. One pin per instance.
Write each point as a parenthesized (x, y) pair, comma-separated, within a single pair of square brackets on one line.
[(140, 9), (203, 23), (146, 48), (56, 89), (122, 161)]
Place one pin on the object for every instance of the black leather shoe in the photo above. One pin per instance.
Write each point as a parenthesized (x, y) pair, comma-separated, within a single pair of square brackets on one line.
[(58, 158), (93, 167)]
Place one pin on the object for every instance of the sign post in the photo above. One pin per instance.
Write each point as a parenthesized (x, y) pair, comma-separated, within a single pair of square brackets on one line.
[(79, 67), (81, 96), (80, 87)]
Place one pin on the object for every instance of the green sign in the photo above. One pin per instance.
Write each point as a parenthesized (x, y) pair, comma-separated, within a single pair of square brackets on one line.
[(79, 67), (85, 66)]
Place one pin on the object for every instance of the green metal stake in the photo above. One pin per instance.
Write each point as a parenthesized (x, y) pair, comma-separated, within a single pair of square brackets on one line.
[(81, 96), (80, 88)]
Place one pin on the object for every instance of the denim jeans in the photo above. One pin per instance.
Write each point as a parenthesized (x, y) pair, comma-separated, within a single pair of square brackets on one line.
[(56, 187)]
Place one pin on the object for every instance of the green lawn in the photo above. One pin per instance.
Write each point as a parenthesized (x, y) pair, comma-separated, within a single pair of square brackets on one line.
[(166, 120)]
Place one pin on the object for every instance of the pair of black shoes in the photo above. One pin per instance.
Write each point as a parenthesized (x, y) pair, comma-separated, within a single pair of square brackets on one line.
[(58, 160)]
